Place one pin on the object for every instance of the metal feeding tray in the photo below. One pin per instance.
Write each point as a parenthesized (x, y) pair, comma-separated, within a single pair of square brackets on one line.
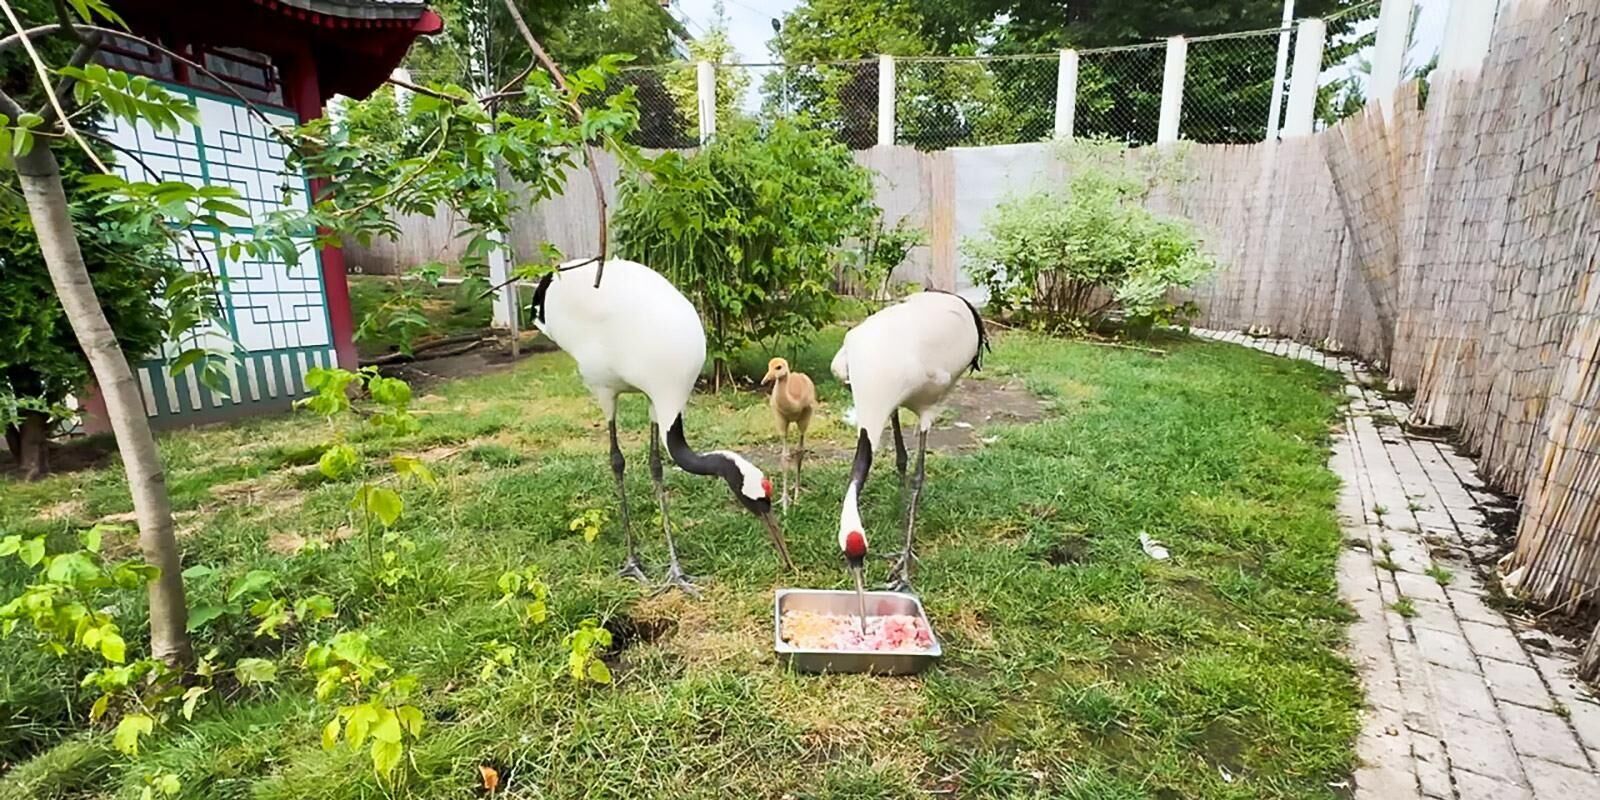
[(828, 601)]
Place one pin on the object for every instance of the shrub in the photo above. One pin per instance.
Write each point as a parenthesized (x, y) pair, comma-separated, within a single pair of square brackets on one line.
[(749, 228), (1068, 260)]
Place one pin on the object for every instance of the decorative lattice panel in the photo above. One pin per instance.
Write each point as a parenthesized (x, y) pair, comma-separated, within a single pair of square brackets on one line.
[(277, 314)]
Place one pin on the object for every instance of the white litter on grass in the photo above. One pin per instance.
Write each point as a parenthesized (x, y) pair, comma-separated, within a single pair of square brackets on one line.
[(1227, 777), (989, 439), (962, 425), (1153, 548), (850, 416)]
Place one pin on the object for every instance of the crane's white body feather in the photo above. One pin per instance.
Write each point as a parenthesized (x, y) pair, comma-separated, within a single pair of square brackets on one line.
[(908, 355), (636, 333)]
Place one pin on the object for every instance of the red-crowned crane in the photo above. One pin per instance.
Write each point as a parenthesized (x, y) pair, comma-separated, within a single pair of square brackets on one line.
[(636, 332), (910, 356)]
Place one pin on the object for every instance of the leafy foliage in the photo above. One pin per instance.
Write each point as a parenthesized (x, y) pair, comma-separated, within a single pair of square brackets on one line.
[(584, 646), (372, 702), (724, 225), (1066, 260)]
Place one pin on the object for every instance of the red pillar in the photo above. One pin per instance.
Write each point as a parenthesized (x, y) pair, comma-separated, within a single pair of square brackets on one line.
[(302, 92)]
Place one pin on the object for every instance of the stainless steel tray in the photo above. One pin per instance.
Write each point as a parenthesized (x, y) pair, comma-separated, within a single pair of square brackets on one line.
[(844, 602)]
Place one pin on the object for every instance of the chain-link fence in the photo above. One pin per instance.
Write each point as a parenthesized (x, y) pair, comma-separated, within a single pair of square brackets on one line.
[(957, 101)]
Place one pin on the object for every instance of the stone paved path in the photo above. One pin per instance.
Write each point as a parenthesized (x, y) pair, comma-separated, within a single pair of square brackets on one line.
[(1462, 701)]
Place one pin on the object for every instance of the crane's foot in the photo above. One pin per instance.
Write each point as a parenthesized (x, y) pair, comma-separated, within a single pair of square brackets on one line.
[(633, 570), (675, 579), (900, 572)]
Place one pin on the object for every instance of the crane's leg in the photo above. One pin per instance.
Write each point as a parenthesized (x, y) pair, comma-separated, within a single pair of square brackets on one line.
[(900, 571), (800, 452), (675, 576), (783, 464), (631, 568), (900, 459)]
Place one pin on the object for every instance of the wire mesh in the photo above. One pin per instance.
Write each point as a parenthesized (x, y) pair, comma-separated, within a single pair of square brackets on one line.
[(1119, 93), (1227, 91), (945, 102), (666, 96)]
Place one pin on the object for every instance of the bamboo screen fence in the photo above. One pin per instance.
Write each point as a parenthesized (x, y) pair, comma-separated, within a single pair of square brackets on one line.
[(1458, 244)]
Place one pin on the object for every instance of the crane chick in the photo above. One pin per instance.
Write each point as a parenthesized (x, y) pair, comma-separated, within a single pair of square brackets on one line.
[(794, 398)]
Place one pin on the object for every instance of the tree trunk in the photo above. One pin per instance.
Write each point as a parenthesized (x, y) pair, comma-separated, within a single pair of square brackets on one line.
[(40, 177), (33, 439), (14, 443), (1589, 665)]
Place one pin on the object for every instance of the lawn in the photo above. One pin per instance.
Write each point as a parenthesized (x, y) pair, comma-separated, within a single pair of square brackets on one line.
[(1075, 665)]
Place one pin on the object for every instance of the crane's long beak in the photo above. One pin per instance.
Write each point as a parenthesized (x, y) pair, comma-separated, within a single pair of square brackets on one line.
[(777, 539), (861, 594)]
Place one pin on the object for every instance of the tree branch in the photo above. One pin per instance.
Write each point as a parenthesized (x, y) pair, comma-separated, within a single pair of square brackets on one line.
[(43, 72), (90, 45), (577, 114), (32, 33)]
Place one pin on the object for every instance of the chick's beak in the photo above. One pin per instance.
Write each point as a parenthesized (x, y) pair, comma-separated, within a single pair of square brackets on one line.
[(778, 542), (768, 378)]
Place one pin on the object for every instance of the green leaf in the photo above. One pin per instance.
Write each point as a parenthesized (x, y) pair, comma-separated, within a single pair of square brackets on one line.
[(598, 672), (72, 568), (32, 551), (98, 710), (411, 466), (198, 571), (255, 670), (126, 739), (359, 724), (411, 720), (10, 545), (112, 647), (330, 734), (91, 539), (338, 461), (388, 727), (385, 504), (191, 699), (200, 616), (253, 581), (386, 756)]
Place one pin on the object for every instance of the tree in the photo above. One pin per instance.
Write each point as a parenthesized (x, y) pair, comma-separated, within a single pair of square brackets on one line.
[(41, 362), (731, 84)]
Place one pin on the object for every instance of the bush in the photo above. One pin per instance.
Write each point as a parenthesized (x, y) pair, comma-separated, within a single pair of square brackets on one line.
[(1068, 260), (749, 228)]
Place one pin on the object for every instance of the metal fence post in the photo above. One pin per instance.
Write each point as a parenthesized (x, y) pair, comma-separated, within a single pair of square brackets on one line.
[(1172, 89), (1066, 93), (1307, 71), (885, 100), (1389, 54), (706, 80), (1280, 70)]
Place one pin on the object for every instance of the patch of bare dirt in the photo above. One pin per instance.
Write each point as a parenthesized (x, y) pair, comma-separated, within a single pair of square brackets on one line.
[(63, 510), (483, 360)]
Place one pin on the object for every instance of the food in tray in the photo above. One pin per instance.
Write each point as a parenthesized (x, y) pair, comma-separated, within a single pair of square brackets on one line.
[(812, 630)]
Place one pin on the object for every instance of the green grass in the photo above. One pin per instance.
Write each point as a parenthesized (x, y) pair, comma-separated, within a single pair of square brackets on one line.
[(1075, 666)]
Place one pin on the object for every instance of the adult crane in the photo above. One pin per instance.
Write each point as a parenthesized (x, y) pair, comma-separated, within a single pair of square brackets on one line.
[(635, 332), (909, 355)]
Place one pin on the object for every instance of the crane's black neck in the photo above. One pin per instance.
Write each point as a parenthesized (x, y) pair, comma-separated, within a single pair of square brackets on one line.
[(863, 462), (697, 463)]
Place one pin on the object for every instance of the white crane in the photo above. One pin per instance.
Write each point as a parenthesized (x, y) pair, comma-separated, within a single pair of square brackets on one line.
[(636, 332), (910, 356)]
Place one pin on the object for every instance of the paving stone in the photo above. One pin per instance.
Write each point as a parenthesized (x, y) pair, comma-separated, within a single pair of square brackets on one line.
[(1473, 786), (1585, 719), (1515, 683), (1470, 606), (1552, 781), (1463, 693), (1421, 587), (1479, 746), (1433, 769), (1494, 641), (1446, 650), (1435, 616), (1542, 734)]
